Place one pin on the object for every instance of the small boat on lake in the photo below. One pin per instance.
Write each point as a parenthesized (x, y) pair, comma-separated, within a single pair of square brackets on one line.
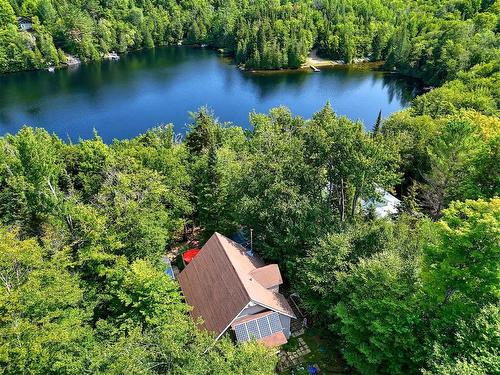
[(51, 69)]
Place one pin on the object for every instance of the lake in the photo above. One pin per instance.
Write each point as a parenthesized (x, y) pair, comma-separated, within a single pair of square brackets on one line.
[(158, 86)]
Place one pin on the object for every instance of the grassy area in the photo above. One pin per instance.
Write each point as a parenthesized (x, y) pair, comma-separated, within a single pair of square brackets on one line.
[(324, 353)]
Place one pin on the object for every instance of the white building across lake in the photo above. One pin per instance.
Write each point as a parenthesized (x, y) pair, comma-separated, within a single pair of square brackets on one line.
[(386, 204), (25, 23)]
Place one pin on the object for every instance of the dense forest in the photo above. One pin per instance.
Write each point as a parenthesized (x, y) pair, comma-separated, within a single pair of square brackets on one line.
[(430, 39), (84, 226)]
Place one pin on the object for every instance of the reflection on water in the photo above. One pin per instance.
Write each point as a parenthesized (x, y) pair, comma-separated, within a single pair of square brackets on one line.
[(146, 88)]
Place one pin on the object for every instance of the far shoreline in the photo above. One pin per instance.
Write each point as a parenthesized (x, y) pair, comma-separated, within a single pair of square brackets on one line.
[(312, 60), (371, 65)]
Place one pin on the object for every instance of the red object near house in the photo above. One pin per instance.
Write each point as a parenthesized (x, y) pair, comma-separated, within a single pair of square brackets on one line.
[(189, 255)]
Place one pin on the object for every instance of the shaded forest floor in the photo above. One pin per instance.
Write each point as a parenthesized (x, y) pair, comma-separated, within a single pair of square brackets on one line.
[(323, 352)]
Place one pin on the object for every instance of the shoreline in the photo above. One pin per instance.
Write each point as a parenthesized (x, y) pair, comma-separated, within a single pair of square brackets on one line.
[(359, 64), (327, 65), (312, 61), (227, 58)]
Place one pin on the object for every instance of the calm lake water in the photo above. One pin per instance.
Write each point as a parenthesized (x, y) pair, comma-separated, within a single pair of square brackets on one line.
[(151, 87)]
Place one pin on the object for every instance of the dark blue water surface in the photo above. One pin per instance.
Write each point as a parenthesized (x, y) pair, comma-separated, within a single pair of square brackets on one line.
[(158, 86)]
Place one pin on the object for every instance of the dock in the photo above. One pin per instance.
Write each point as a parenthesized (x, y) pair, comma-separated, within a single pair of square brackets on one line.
[(314, 68)]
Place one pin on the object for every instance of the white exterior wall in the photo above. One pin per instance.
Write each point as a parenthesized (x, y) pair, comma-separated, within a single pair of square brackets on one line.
[(285, 323), (26, 26)]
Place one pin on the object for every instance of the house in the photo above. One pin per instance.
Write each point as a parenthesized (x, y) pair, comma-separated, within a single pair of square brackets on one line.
[(385, 205), (231, 289), (24, 23)]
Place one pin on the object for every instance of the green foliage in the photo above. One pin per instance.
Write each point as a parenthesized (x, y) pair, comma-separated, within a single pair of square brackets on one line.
[(136, 209), (298, 172), (30, 171), (363, 284), (215, 165), (270, 35), (82, 277), (41, 324), (352, 163), (317, 275), (52, 321), (463, 263), (145, 297), (446, 41), (451, 157), (475, 349), (448, 154), (379, 315), (16, 50), (475, 89), (378, 123), (410, 295), (102, 215), (275, 187), (7, 15)]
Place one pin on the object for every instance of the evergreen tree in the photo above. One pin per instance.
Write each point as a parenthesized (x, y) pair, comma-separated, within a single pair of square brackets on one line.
[(378, 124)]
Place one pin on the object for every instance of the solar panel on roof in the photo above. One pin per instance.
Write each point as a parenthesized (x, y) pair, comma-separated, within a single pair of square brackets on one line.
[(253, 330), (258, 328), (264, 328), (241, 332), (275, 323)]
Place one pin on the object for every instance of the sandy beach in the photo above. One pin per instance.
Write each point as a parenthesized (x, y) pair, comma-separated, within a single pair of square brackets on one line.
[(316, 61)]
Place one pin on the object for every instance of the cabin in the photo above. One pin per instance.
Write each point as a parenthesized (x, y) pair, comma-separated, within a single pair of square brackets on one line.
[(384, 205), (25, 23), (232, 290)]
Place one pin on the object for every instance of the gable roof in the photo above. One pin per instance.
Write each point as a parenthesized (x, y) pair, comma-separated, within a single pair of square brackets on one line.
[(218, 284)]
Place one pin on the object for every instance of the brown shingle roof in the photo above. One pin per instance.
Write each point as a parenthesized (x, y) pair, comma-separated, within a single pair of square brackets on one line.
[(218, 285), (268, 276)]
